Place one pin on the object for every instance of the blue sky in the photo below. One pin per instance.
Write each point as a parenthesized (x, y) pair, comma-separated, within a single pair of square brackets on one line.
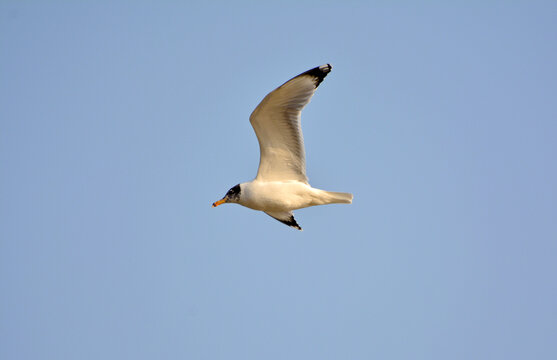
[(121, 122)]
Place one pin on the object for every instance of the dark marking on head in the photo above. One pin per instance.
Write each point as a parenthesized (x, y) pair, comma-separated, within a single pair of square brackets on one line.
[(234, 193)]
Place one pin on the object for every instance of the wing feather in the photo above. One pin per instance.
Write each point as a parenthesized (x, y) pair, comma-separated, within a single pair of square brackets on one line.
[(277, 124)]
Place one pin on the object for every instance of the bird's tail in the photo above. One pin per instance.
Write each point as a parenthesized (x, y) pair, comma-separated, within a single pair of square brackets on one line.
[(333, 197)]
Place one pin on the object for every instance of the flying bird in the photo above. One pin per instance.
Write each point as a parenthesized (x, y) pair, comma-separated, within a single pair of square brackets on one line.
[(281, 184)]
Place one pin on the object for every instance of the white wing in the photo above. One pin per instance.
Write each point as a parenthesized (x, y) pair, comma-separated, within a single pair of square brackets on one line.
[(276, 121)]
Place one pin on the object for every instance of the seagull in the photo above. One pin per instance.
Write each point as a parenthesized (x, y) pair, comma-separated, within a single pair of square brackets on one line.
[(281, 184)]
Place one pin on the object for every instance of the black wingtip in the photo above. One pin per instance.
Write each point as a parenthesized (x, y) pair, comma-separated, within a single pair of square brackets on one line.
[(291, 222), (319, 73)]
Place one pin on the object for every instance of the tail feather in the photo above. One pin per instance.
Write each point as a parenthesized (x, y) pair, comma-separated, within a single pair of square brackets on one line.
[(339, 197)]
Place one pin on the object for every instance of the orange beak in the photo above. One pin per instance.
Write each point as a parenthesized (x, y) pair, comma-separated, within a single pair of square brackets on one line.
[(217, 203)]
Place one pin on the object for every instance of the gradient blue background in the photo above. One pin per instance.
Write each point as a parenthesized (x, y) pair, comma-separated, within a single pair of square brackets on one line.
[(120, 124)]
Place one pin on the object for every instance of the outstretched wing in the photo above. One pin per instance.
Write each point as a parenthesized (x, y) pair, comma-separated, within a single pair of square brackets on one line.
[(276, 121), (285, 217)]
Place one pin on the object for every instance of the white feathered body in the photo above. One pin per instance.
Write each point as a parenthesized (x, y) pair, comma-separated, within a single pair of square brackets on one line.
[(281, 196)]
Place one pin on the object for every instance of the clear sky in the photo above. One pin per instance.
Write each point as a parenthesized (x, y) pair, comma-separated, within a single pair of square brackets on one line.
[(121, 122)]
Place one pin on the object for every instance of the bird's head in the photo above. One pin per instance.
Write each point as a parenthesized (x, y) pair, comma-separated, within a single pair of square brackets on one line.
[(232, 196)]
